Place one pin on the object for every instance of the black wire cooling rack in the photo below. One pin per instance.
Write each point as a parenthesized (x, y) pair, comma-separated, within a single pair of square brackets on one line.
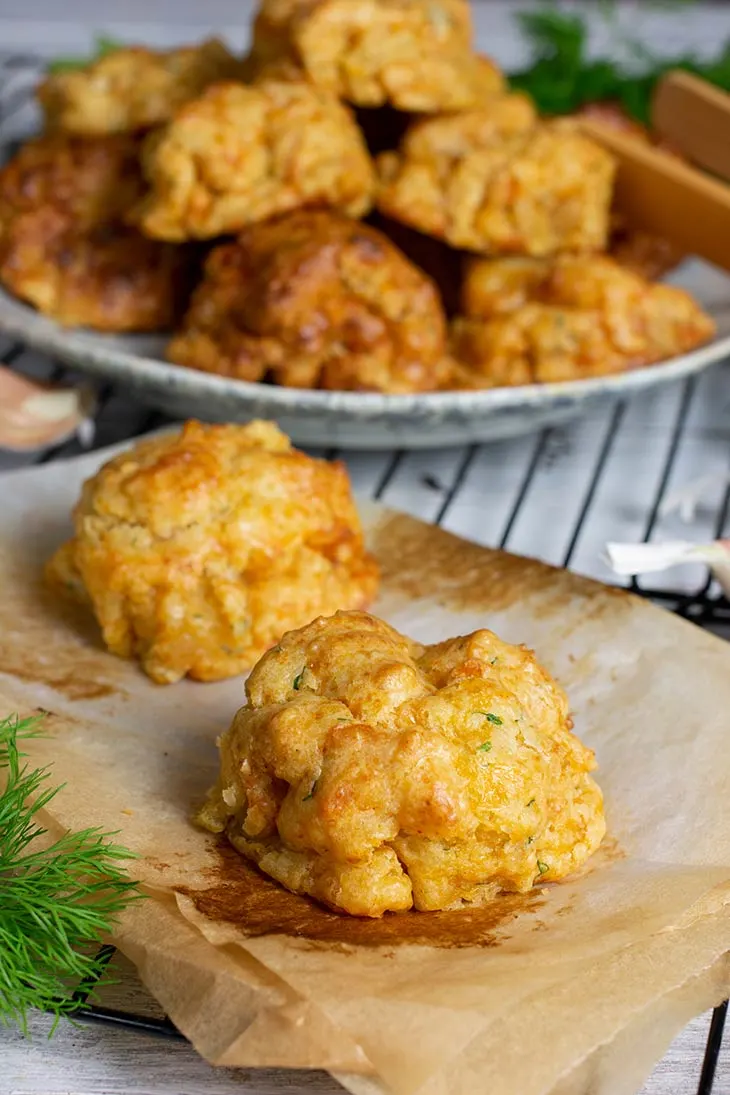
[(704, 606)]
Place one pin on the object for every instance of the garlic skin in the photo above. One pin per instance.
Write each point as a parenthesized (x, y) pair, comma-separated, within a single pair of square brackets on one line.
[(36, 416), (634, 559)]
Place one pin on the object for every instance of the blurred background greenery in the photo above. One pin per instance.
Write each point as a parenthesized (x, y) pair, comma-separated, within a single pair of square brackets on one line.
[(562, 75)]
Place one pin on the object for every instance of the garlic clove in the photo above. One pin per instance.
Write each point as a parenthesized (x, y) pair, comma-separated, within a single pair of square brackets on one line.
[(36, 416)]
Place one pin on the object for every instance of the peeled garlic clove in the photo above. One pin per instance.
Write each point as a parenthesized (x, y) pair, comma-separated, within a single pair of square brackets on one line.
[(36, 416), (635, 559)]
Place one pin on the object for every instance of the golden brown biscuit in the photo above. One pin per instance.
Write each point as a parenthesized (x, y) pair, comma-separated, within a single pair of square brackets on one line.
[(493, 183), (109, 279), (568, 318), (132, 88), (64, 248), (91, 182), (277, 20), (453, 136), (271, 32), (376, 775), (495, 287), (198, 549), (239, 155), (315, 300), (414, 54), (648, 255), (283, 70), (441, 263)]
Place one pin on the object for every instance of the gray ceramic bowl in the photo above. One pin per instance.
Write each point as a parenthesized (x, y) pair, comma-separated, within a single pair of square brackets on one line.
[(355, 420)]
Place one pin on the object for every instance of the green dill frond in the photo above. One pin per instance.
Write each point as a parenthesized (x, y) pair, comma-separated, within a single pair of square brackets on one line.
[(59, 898)]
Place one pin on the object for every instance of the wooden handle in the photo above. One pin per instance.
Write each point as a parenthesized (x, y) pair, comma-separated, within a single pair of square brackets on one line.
[(661, 194), (695, 117)]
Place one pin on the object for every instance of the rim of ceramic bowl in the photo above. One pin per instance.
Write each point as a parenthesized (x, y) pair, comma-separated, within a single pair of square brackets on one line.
[(102, 354)]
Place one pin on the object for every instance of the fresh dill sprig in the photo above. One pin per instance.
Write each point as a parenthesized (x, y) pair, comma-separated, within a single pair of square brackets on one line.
[(561, 76), (102, 46), (57, 900)]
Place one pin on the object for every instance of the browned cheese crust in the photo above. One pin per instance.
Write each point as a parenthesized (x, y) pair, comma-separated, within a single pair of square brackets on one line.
[(377, 775), (315, 300), (239, 155), (132, 88), (493, 182), (414, 54), (198, 549), (535, 320), (64, 247)]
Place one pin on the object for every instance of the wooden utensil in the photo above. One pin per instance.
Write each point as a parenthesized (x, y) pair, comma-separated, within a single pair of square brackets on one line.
[(695, 117), (662, 194)]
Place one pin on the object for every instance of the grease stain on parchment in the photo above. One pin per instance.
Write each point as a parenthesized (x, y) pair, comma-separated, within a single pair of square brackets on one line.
[(242, 896)]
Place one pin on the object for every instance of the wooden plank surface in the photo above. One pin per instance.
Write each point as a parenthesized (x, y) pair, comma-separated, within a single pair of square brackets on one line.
[(94, 1059)]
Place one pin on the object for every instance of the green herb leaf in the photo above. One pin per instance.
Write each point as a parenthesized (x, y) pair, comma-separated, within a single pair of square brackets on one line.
[(485, 747), (58, 898), (67, 64), (312, 790), (562, 77), (106, 45), (531, 802), (296, 683), (102, 47), (491, 717), (542, 867)]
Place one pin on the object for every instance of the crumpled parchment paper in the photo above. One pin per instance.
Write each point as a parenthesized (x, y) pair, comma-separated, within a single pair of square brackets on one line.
[(575, 987)]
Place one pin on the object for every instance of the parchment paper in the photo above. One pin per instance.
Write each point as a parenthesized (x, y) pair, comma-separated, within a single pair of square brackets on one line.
[(576, 987)]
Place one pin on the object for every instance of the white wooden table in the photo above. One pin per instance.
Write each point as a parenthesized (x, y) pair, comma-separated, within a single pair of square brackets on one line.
[(103, 1060), (559, 495)]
